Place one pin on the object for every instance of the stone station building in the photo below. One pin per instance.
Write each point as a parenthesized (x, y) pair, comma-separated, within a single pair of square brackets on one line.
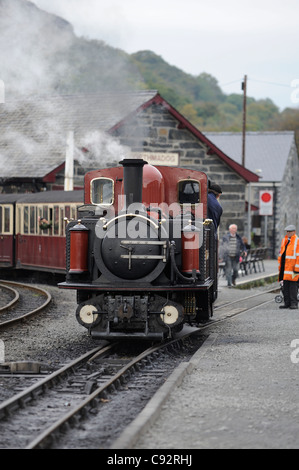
[(100, 130)]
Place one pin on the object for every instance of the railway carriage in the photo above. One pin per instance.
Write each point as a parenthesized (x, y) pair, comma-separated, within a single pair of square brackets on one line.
[(32, 229), (142, 256), (7, 229)]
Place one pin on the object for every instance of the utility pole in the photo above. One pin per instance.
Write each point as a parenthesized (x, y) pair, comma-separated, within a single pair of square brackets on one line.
[(244, 88)]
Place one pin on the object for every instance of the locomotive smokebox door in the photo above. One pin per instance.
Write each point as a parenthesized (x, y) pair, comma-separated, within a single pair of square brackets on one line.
[(129, 258)]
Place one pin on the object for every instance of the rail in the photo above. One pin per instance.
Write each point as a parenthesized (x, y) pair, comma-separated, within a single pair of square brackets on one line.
[(22, 303)]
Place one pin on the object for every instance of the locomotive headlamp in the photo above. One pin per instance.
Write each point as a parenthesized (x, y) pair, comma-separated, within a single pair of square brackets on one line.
[(170, 314), (86, 314)]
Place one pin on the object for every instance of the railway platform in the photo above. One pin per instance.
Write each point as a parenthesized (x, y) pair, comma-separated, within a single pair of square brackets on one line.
[(242, 391), (255, 279)]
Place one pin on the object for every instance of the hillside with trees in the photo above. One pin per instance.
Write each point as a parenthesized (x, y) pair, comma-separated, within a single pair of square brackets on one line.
[(202, 101), (48, 58)]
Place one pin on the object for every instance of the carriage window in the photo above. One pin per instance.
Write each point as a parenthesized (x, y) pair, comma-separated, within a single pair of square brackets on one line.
[(56, 220), (19, 220), (32, 219), (189, 192), (67, 212), (7, 220), (102, 191), (62, 224), (26, 219), (45, 220), (39, 218)]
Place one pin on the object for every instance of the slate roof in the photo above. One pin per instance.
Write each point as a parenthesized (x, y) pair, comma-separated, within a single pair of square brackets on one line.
[(43, 197), (266, 151), (34, 131)]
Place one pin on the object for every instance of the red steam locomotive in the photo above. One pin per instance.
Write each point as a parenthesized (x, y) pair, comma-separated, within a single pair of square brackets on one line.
[(142, 254)]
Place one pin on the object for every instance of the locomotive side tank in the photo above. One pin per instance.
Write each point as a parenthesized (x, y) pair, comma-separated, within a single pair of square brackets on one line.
[(142, 254)]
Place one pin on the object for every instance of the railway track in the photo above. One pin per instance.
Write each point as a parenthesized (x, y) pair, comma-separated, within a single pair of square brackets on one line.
[(83, 389), (45, 410), (20, 301)]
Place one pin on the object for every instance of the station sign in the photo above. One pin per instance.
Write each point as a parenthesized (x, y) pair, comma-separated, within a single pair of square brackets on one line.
[(158, 158), (266, 203)]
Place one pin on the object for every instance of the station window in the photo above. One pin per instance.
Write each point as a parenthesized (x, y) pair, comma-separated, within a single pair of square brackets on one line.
[(102, 191), (189, 192)]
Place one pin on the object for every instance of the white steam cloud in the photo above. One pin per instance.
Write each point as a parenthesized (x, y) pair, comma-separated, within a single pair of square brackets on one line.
[(99, 148), (38, 58)]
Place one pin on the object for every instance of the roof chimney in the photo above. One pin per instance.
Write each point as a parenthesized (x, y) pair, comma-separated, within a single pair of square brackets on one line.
[(69, 163)]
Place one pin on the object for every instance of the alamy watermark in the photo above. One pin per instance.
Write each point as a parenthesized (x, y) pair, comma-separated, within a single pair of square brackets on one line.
[(295, 354), (133, 222), (295, 93)]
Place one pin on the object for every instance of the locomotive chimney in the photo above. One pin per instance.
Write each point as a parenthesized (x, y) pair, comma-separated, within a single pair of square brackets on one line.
[(133, 171)]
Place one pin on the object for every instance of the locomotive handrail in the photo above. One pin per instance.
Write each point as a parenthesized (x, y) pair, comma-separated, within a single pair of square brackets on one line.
[(130, 215)]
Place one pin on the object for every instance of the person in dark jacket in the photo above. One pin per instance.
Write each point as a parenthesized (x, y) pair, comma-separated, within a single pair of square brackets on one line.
[(214, 208), (231, 250)]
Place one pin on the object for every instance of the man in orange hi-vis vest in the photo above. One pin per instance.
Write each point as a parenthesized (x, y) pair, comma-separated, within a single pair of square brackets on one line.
[(288, 262)]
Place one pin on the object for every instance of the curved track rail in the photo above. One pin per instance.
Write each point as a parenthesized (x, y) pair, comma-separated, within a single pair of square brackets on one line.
[(10, 293), (20, 307)]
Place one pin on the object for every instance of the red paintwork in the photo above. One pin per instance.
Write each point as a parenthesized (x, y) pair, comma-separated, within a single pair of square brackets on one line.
[(79, 251), (161, 189), (153, 190), (6, 250), (190, 250), (40, 252), (115, 174)]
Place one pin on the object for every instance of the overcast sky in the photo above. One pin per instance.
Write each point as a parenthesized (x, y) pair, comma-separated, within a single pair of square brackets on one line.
[(225, 38)]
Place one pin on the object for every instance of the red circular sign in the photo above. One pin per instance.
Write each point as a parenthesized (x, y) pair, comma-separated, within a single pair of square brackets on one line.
[(266, 197)]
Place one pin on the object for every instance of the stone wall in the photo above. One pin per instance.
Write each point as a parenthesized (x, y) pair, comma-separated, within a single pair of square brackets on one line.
[(156, 130), (289, 195)]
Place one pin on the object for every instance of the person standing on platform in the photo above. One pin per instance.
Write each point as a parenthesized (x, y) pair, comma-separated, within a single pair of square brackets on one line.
[(231, 250), (288, 265)]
